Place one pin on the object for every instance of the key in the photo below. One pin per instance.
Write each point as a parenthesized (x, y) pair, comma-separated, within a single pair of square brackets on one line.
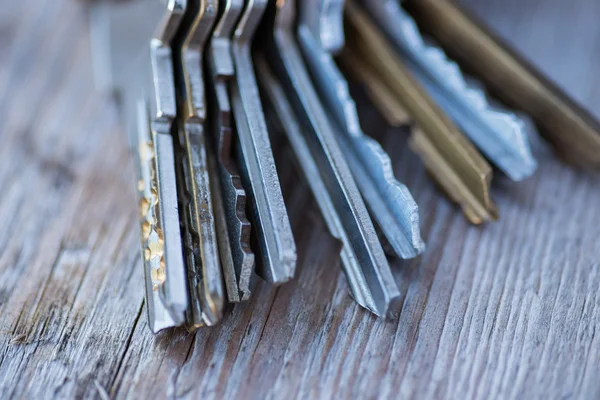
[(572, 130), (389, 201), (171, 285), (233, 225), (161, 240), (276, 248), (373, 284), (162, 106), (457, 166), (352, 245), (139, 69), (205, 279), (501, 136)]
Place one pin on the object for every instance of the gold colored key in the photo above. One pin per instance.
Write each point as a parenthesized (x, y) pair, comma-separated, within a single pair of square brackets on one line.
[(457, 166), (572, 130), (380, 95)]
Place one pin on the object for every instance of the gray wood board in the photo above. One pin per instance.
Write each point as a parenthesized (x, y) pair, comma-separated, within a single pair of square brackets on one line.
[(506, 310)]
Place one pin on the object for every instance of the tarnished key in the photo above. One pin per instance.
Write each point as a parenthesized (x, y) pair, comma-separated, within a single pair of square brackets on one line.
[(139, 68), (205, 279), (276, 247), (160, 234), (163, 111), (372, 281), (453, 161), (234, 226), (573, 131), (500, 135), (389, 201)]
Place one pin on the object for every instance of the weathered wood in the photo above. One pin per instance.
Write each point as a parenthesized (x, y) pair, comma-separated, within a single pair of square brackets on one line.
[(507, 310)]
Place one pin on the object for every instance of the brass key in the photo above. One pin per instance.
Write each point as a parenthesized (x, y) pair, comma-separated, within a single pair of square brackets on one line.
[(380, 95)]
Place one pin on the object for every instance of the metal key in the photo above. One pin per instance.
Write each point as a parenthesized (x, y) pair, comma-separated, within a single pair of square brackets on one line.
[(499, 134), (389, 201), (278, 104), (205, 279), (162, 106), (234, 227), (454, 162), (139, 69), (573, 131), (276, 247), (370, 277), (163, 111)]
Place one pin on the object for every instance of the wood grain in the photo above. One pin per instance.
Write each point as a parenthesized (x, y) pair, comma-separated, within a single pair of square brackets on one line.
[(507, 310)]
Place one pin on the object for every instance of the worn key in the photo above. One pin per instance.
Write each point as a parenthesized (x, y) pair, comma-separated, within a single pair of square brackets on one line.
[(205, 277), (373, 278), (276, 248), (138, 67), (453, 161), (573, 131), (163, 111), (234, 226), (501, 136), (388, 200), (160, 234)]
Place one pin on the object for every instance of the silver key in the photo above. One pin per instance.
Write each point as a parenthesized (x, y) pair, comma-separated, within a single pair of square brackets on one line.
[(372, 283), (501, 135), (233, 225), (389, 201), (352, 244), (276, 247), (139, 68)]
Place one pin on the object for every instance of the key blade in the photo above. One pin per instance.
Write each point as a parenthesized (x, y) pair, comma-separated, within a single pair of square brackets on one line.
[(204, 256), (469, 181), (385, 196), (352, 242), (164, 269), (234, 228), (499, 134), (276, 251), (573, 131), (140, 70), (288, 66)]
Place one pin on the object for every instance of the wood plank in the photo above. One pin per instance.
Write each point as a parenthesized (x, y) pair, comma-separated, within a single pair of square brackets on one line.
[(507, 310)]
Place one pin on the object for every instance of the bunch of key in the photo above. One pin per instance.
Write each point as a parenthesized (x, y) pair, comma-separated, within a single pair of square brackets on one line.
[(204, 85)]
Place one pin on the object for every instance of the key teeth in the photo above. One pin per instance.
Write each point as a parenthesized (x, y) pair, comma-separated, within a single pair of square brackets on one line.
[(242, 234), (238, 225), (512, 132), (408, 215), (277, 245)]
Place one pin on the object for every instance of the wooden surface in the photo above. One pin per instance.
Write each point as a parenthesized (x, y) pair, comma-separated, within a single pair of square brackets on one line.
[(507, 310)]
